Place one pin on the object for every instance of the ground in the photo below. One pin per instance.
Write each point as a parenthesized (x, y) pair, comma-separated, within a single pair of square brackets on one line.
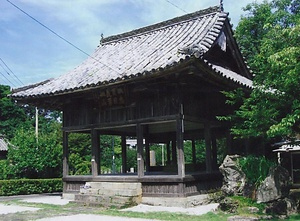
[(48, 207)]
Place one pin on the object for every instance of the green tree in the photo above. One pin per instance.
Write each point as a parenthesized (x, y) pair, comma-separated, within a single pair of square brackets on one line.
[(11, 115), (270, 37), (29, 157)]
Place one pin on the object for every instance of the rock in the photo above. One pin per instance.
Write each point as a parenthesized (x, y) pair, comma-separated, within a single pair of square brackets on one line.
[(249, 191), (234, 179), (266, 217), (242, 218), (228, 205), (275, 186), (253, 209), (282, 207)]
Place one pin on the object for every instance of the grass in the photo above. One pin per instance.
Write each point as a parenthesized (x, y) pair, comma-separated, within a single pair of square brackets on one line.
[(47, 210), (168, 216)]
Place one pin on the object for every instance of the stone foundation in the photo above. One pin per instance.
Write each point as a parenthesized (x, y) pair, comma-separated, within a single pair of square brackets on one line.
[(117, 194), (186, 202)]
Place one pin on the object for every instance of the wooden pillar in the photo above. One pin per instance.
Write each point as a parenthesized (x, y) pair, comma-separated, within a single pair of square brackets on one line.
[(140, 147), (124, 154), (65, 154), (95, 153), (168, 153), (228, 142), (194, 151), (147, 152), (214, 152), (174, 152), (208, 150), (180, 152)]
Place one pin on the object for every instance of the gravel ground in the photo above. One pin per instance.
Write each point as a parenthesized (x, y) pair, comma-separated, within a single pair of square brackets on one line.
[(84, 217), (6, 209), (13, 212), (198, 210)]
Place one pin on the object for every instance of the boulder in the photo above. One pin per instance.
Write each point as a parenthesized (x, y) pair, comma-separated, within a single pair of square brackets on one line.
[(234, 179), (228, 205), (285, 206), (275, 186)]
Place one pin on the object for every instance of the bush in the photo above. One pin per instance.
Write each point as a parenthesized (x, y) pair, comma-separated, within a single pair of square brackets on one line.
[(255, 168), (30, 186)]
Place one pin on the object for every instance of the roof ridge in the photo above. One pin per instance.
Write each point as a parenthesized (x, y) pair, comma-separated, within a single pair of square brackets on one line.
[(172, 21)]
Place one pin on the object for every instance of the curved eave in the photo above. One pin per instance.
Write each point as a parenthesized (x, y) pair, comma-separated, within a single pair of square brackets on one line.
[(107, 83), (244, 82)]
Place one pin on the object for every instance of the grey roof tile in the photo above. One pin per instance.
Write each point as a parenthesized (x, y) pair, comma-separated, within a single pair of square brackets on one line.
[(141, 51)]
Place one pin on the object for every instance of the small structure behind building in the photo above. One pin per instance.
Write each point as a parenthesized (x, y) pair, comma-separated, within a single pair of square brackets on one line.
[(288, 154), (3, 147)]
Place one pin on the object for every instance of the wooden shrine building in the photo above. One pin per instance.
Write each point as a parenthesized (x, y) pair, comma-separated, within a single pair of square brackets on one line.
[(159, 84)]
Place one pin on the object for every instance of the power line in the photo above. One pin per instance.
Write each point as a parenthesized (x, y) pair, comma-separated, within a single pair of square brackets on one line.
[(7, 79), (176, 6), (59, 36), (11, 72), (5, 71)]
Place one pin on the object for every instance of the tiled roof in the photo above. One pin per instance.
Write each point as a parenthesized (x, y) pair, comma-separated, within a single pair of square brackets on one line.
[(141, 51)]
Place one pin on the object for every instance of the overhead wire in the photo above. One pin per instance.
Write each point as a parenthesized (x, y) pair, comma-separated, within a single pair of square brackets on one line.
[(11, 71), (62, 38), (7, 79), (176, 6), (6, 72)]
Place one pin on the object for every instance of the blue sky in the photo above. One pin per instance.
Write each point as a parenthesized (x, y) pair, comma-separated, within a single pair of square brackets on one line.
[(34, 54)]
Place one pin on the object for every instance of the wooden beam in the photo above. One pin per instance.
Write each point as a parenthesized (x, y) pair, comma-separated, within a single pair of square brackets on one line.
[(140, 147), (65, 155), (124, 154), (95, 153)]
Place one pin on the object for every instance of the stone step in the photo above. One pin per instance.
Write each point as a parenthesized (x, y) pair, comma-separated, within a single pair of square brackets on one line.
[(107, 201), (114, 185), (112, 192), (112, 189)]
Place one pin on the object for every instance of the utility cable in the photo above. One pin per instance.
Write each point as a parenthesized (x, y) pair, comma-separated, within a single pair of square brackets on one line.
[(7, 79), (11, 71), (176, 6), (59, 36), (5, 71)]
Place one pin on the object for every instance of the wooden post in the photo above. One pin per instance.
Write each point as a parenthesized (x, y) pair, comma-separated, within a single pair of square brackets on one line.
[(174, 152), (124, 154), (228, 142), (207, 136), (214, 152), (147, 152), (140, 147), (168, 153), (180, 152), (194, 151), (65, 154), (95, 153)]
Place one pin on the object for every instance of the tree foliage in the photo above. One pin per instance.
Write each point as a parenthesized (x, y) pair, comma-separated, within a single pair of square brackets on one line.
[(11, 115), (29, 157), (269, 37)]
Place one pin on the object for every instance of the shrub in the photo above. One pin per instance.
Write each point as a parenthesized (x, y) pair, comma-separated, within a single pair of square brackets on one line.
[(30, 186), (255, 168)]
